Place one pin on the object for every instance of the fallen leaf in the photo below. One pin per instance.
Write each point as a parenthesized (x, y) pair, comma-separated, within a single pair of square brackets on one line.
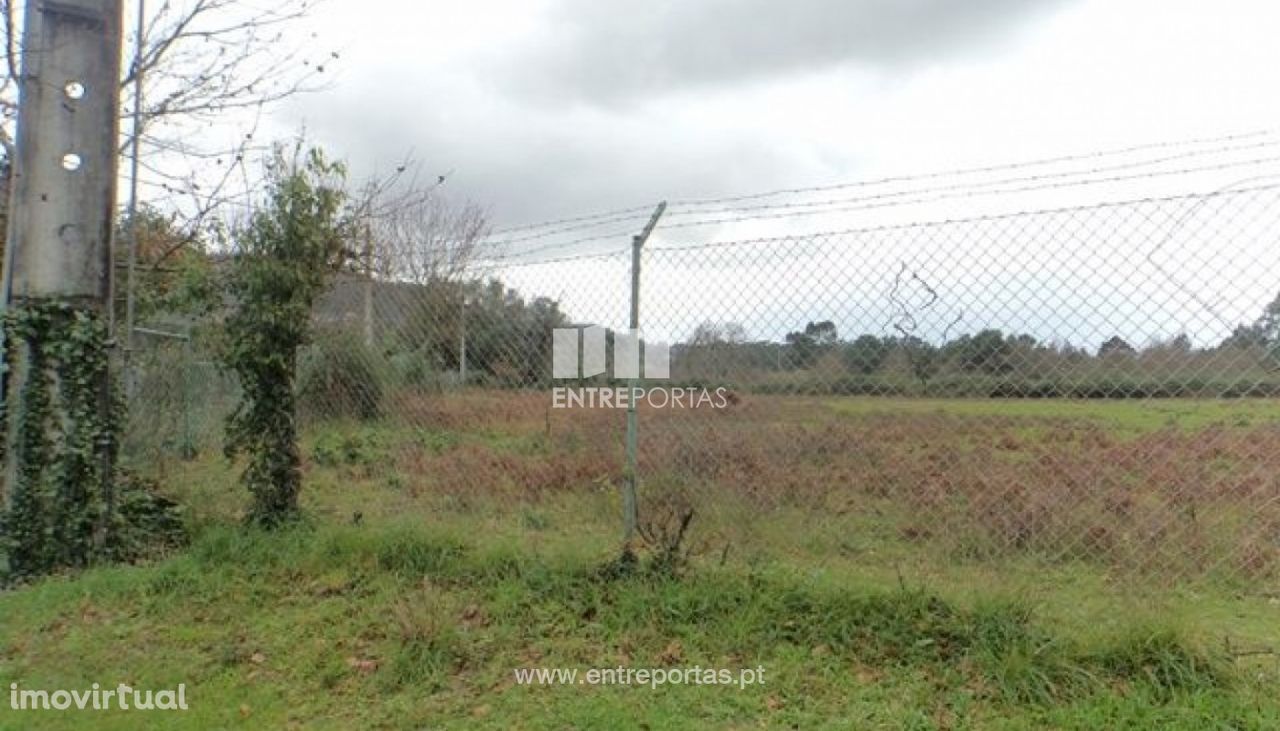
[(362, 665), (673, 654)]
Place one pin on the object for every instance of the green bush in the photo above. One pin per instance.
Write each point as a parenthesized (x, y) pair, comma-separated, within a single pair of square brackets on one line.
[(148, 523), (283, 255), (338, 377), (419, 370), (347, 450)]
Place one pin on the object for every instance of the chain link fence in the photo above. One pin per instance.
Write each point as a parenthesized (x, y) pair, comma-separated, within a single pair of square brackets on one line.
[(178, 399), (1092, 386)]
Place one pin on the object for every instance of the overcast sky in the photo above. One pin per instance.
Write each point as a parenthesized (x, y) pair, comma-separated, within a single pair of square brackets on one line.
[(558, 107), (551, 108)]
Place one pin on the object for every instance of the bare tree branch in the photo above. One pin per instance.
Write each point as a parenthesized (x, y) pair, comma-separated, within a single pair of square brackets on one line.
[(410, 231), (207, 67)]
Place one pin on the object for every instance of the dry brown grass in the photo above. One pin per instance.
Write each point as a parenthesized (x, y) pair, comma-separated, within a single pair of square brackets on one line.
[(1168, 502)]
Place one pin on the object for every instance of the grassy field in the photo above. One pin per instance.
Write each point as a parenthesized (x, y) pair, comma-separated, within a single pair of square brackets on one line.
[(1117, 574), (1133, 416)]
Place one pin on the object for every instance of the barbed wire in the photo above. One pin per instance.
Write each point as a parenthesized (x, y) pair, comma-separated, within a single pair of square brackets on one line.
[(500, 264), (1039, 177), (766, 215), (686, 208), (575, 227), (938, 223), (575, 219), (642, 213), (558, 246), (979, 170)]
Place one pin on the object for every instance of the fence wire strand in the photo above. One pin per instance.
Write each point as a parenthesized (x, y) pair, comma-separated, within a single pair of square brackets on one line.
[(1093, 385)]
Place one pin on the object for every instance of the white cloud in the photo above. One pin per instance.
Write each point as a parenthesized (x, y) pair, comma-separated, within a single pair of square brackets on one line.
[(437, 78), (537, 132)]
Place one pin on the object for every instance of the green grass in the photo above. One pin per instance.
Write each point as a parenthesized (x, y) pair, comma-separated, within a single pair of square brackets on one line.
[(404, 626), (402, 603), (1131, 416)]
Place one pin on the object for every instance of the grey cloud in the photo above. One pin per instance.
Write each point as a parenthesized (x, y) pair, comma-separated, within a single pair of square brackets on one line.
[(485, 118), (600, 51), (530, 163)]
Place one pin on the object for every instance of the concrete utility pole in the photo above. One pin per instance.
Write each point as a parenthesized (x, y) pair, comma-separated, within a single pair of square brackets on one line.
[(63, 198), (62, 205)]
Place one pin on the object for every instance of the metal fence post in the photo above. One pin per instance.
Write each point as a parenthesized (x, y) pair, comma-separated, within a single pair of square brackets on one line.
[(630, 511), (367, 289), (131, 283), (186, 449), (462, 335), (188, 442)]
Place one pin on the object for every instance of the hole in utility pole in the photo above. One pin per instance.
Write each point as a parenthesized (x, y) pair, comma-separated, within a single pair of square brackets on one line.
[(74, 90), (71, 161)]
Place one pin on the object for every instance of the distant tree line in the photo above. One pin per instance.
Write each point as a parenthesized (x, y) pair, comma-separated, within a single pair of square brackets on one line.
[(404, 310), (990, 362)]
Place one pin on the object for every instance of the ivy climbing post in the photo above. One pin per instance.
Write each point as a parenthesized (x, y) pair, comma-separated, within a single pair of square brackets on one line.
[(59, 412), (283, 255)]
